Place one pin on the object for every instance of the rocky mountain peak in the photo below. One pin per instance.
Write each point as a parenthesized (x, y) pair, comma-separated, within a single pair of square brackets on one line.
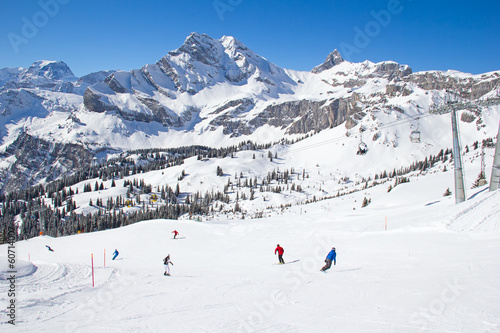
[(200, 47), (333, 59), (44, 69)]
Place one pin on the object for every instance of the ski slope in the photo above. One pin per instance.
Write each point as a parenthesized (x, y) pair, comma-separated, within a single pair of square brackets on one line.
[(435, 269)]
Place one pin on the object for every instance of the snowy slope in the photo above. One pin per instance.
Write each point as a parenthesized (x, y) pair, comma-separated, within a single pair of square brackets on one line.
[(431, 270)]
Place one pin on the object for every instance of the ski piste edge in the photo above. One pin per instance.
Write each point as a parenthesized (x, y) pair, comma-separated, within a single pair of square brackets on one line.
[(286, 263)]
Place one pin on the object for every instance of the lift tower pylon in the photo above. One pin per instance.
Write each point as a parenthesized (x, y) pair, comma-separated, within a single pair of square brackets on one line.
[(495, 171), (457, 157)]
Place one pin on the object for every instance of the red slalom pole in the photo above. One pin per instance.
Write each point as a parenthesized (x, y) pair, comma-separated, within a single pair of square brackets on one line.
[(104, 257), (92, 258)]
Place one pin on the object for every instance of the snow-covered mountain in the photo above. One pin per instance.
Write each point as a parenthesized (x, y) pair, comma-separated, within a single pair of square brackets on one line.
[(218, 93)]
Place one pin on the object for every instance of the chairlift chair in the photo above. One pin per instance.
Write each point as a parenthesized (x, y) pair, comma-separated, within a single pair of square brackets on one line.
[(362, 148), (415, 136)]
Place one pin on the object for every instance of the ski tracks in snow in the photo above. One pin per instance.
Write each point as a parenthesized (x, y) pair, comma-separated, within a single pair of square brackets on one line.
[(54, 276), (52, 291), (472, 218)]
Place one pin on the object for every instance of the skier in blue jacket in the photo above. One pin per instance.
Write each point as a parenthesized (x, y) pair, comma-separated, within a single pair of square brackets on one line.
[(332, 256), (115, 254)]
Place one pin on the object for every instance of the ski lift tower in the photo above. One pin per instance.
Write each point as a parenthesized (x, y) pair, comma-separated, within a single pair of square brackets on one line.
[(452, 106), (457, 157), (495, 172)]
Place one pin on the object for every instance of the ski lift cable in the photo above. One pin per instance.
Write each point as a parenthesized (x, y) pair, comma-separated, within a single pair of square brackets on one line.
[(342, 138), (382, 126), (421, 115)]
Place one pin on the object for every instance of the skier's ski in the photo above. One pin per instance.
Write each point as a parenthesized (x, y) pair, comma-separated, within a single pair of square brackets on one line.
[(286, 263)]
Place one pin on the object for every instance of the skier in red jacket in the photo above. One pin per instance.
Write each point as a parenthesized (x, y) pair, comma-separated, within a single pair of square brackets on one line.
[(175, 233), (280, 251)]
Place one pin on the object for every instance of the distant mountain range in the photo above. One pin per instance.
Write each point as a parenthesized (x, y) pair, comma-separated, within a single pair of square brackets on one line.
[(207, 92)]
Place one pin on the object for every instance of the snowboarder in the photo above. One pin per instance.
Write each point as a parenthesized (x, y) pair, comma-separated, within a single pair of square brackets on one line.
[(280, 251), (332, 256), (50, 249), (175, 232), (115, 254), (167, 262)]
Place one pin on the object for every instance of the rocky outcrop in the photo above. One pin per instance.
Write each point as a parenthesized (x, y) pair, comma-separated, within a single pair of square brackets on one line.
[(160, 114), (470, 87), (398, 89), (229, 119), (391, 70), (440, 81), (326, 116), (332, 59), (94, 78), (97, 103), (114, 84), (481, 88), (305, 115)]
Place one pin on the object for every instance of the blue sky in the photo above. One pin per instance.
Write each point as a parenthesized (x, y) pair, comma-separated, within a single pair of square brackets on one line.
[(94, 35)]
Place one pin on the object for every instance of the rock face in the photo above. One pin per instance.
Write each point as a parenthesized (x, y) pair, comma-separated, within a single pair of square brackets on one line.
[(231, 126), (470, 87), (96, 102), (391, 70), (333, 59), (305, 115), (94, 78), (398, 89)]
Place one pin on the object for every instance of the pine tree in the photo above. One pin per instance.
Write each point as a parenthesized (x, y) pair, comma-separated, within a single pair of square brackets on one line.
[(480, 181)]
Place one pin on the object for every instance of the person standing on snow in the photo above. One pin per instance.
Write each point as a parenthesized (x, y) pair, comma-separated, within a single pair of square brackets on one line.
[(167, 262), (115, 254), (332, 256), (280, 252), (175, 233)]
